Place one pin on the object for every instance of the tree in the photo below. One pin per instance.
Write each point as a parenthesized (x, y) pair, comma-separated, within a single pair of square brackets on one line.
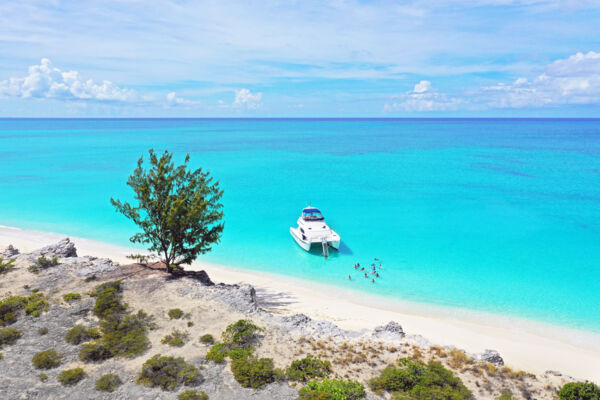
[(579, 391), (178, 210)]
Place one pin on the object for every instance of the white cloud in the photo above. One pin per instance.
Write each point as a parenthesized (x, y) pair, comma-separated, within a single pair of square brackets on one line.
[(421, 99), (245, 98), (574, 80), (174, 100), (47, 81)]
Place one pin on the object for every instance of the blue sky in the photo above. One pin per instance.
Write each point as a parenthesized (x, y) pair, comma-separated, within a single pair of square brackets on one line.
[(343, 58)]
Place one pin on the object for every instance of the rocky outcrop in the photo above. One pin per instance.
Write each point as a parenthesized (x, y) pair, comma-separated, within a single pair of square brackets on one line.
[(62, 249), (9, 252), (306, 326), (392, 328), (491, 356)]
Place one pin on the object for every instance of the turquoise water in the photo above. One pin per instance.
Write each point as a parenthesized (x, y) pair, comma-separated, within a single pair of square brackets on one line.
[(500, 216)]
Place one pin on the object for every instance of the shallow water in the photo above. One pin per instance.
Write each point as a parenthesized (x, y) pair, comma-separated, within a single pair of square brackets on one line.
[(493, 215)]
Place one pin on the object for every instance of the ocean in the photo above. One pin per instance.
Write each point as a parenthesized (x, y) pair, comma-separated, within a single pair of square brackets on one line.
[(493, 215)]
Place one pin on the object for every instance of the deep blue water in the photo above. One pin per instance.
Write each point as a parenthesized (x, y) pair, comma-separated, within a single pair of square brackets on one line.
[(493, 215)]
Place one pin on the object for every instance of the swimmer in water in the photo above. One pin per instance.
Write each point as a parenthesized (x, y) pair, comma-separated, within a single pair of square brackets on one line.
[(372, 280), (366, 276), (377, 274), (349, 277)]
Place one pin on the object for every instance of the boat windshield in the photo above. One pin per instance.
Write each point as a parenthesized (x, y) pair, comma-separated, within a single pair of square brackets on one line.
[(312, 214)]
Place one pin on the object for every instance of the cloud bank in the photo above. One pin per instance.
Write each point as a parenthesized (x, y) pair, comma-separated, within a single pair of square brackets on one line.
[(422, 98)]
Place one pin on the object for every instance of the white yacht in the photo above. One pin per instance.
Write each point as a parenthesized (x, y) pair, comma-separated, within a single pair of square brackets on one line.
[(313, 229)]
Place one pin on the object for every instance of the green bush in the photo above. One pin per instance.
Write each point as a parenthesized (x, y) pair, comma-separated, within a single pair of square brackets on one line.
[(9, 336), (193, 395), (416, 380), (217, 353), (175, 313), (1, 356), (43, 377), (47, 359), (72, 296), (175, 338), (126, 335), (78, 334), (71, 377), (579, 391), (9, 307), (93, 333), (34, 269), (93, 352), (234, 354), (36, 303), (168, 373), (90, 278), (254, 372), (108, 383), (108, 300), (336, 389), (190, 324), (309, 367), (6, 266), (242, 333), (507, 395), (42, 331), (44, 262), (207, 339)]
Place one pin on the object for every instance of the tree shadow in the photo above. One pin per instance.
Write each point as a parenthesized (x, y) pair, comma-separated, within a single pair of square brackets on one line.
[(272, 300)]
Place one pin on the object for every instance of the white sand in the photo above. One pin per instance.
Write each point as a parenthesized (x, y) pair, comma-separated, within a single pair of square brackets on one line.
[(527, 345)]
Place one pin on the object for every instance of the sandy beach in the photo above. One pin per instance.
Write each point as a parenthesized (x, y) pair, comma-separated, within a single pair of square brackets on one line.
[(527, 345)]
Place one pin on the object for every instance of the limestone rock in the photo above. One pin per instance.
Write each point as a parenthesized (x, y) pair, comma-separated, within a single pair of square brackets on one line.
[(62, 249), (491, 356), (392, 328), (9, 252)]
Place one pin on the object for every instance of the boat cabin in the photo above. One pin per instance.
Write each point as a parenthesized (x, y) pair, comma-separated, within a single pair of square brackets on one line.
[(312, 214)]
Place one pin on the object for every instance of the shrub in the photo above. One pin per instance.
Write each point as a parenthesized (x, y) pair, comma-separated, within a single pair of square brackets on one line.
[(71, 377), (108, 300), (308, 368), (507, 395), (34, 269), (72, 296), (168, 373), (126, 335), (8, 308), (44, 262), (9, 336), (242, 333), (90, 278), (42, 331), (43, 377), (398, 379), (36, 303), (93, 333), (175, 338), (193, 395), (47, 359), (108, 383), (336, 389), (254, 372), (77, 334), (579, 391), (92, 352), (190, 324), (234, 354), (217, 353), (1, 356), (175, 313), (207, 339), (6, 266)]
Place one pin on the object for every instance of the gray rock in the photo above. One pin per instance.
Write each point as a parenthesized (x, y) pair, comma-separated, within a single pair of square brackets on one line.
[(62, 249), (392, 328), (306, 326), (9, 252), (491, 356)]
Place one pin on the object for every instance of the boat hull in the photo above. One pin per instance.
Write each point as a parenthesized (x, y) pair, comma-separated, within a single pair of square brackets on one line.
[(305, 244)]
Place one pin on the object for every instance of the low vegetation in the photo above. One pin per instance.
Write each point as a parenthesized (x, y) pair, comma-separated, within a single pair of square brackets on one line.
[(193, 395), (94, 352), (108, 383), (47, 359), (336, 389), (175, 313), (43, 330), (43, 263), (72, 297), (217, 353), (33, 305), (207, 339), (168, 373), (255, 372), (9, 336), (416, 380), (6, 266), (79, 334), (308, 368), (71, 377), (579, 391), (176, 338), (242, 333), (42, 377)]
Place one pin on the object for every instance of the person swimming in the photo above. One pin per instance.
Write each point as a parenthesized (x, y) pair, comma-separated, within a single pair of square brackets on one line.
[(349, 277), (366, 276), (377, 274), (372, 280)]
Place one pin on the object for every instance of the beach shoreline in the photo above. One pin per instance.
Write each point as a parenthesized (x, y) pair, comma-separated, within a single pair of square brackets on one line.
[(524, 344)]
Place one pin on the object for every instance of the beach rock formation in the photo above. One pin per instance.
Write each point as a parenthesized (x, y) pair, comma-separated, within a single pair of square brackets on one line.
[(304, 325), (491, 356), (62, 249), (392, 328), (9, 252)]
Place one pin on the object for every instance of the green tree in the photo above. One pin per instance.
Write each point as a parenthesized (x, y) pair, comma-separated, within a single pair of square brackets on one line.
[(178, 209), (579, 391)]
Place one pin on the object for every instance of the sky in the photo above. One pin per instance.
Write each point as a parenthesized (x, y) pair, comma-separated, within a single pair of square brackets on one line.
[(304, 58)]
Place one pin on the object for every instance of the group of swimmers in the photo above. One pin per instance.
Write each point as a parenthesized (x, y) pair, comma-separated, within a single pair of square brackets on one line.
[(373, 272)]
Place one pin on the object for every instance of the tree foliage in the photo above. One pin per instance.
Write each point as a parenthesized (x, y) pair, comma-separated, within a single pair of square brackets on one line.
[(178, 209), (579, 391)]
